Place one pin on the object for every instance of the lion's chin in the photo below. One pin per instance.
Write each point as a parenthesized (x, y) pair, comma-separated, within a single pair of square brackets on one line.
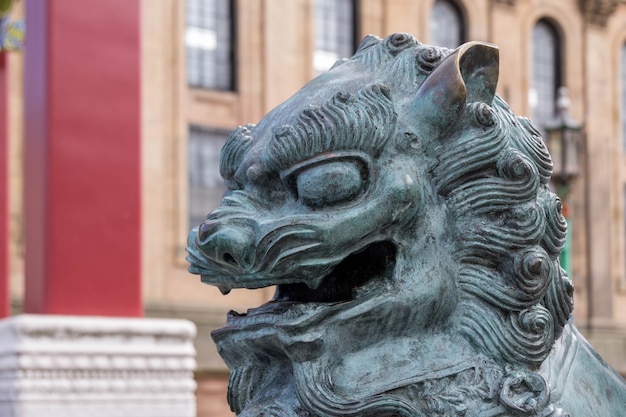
[(358, 277)]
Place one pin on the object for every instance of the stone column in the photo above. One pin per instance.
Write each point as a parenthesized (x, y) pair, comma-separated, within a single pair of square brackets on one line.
[(599, 174), (82, 158)]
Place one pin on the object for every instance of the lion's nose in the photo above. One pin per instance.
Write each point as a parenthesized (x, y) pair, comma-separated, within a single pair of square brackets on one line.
[(226, 244)]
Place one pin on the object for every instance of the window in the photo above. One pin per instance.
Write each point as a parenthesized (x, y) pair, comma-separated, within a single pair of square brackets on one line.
[(206, 187), (447, 28), (209, 39), (623, 91), (334, 32), (546, 71)]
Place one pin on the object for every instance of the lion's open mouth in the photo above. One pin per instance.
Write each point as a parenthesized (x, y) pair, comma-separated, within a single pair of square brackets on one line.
[(353, 272), (367, 267)]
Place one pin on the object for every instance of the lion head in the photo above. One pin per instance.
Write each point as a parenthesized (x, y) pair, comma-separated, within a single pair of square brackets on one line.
[(403, 213)]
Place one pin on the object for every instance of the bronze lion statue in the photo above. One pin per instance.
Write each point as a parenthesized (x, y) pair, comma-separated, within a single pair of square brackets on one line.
[(404, 215)]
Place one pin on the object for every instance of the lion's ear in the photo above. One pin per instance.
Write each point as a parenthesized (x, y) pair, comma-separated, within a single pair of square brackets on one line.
[(478, 63), (469, 74)]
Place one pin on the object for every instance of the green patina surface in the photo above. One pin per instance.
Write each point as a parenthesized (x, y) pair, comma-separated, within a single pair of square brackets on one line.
[(403, 213)]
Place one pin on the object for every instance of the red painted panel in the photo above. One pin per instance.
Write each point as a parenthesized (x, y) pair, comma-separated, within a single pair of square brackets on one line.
[(4, 190), (83, 157)]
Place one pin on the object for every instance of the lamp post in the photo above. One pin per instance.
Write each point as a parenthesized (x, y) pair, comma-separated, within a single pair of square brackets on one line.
[(563, 137)]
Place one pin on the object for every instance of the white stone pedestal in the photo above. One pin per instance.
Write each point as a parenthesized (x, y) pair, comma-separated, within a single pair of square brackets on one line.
[(94, 366)]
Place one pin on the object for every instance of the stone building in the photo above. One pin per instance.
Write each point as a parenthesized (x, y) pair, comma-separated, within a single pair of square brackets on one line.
[(210, 65)]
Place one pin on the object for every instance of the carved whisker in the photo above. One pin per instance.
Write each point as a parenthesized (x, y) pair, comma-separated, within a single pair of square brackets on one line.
[(280, 239)]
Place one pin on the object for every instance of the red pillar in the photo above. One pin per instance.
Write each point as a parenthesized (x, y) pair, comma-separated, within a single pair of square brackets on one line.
[(82, 157), (4, 189)]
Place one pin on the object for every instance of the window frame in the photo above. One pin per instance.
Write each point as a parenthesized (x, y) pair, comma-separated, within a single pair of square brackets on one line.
[(223, 133), (353, 33), (557, 69), (461, 15), (232, 82)]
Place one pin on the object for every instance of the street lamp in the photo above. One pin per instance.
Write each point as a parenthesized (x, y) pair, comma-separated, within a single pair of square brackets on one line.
[(563, 137)]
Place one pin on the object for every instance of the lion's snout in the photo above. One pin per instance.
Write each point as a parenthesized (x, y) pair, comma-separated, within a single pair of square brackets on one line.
[(228, 245)]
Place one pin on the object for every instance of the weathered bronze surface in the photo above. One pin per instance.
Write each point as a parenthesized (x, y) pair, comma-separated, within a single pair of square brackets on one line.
[(403, 212)]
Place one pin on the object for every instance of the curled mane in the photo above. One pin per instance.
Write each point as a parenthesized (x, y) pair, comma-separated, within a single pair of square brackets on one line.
[(510, 232), (506, 225)]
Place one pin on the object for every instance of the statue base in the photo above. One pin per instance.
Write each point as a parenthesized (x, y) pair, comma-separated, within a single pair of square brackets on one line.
[(96, 366)]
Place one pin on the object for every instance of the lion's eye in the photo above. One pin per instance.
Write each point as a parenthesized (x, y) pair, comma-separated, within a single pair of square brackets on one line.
[(329, 183)]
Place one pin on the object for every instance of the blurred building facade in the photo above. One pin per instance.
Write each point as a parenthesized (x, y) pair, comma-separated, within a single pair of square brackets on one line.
[(210, 65)]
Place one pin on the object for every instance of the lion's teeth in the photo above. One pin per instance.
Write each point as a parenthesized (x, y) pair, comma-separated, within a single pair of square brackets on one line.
[(314, 283)]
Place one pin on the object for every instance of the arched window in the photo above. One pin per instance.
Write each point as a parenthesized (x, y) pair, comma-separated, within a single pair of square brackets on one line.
[(623, 90), (547, 76), (447, 28)]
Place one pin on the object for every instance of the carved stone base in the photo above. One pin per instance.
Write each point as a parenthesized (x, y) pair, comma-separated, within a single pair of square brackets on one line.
[(94, 366)]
